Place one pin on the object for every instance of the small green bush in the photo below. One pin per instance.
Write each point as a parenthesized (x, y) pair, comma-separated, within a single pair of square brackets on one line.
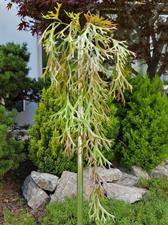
[(112, 129), (143, 139), (11, 150), (44, 150)]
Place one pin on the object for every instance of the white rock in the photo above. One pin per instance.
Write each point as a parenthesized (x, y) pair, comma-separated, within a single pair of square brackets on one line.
[(107, 175), (139, 172), (45, 181), (127, 180), (161, 170), (67, 187), (33, 194), (20, 134), (120, 192)]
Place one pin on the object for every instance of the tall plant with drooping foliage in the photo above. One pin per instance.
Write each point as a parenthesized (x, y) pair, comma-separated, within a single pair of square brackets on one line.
[(86, 65)]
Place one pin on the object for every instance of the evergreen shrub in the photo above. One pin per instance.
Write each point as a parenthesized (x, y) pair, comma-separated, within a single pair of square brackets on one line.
[(143, 139), (139, 132), (112, 130), (44, 149), (11, 150)]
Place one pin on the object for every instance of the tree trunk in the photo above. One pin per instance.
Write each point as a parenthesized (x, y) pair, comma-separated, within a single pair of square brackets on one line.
[(151, 71), (80, 156)]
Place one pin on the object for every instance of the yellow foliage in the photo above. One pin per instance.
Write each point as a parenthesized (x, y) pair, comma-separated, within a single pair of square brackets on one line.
[(75, 17), (53, 15), (99, 21)]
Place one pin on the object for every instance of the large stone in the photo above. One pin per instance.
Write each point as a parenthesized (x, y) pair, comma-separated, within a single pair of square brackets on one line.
[(20, 134), (106, 175), (67, 187), (120, 192), (127, 180), (109, 175), (161, 170), (33, 194), (45, 181), (139, 172)]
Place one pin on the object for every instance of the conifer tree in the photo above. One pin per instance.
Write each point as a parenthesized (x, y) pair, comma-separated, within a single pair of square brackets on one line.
[(10, 149), (15, 84), (143, 139), (45, 150)]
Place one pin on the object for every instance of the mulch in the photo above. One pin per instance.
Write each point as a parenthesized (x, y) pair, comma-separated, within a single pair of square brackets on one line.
[(10, 196), (10, 190)]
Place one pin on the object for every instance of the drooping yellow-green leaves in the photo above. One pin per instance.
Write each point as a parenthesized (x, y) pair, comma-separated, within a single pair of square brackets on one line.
[(87, 67)]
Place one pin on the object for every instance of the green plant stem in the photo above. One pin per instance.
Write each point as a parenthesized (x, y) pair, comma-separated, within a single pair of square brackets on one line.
[(80, 155), (80, 184)]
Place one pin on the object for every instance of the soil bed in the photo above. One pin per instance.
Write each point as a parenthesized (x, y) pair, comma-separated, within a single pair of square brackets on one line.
[(10, 190)]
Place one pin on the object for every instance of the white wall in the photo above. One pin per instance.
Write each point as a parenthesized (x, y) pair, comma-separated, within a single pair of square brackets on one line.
[(8, 33)]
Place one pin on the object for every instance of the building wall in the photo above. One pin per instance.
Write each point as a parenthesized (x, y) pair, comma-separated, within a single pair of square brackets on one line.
[(8, 33)]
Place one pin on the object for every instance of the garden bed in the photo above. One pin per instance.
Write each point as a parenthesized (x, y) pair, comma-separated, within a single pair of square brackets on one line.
[(10, 190)]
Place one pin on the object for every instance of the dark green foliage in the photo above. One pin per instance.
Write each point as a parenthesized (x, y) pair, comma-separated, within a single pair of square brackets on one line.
[(143, 139), (22, 218), (15, 85), (10, 149), (45, 151), (112, 129), (13, 71)]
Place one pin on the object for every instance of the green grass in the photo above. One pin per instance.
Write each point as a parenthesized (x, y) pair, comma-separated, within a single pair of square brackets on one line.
[(154, 184), (21, 218), (153, 210)]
